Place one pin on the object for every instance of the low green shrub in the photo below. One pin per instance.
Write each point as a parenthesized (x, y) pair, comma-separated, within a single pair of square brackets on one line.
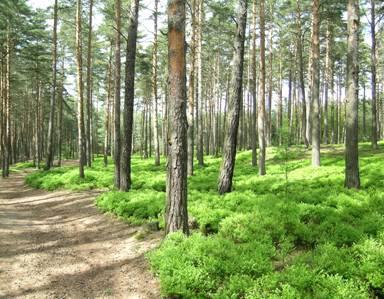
[(134, 206), (208, 266), (272, 237)]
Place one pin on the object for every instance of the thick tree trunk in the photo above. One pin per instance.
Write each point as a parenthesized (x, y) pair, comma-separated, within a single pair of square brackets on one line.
[(125, 175), (352, 177), (261, 97), (176, 213), (117, 79), (80, 93), (89, 87), (235, 102), (50, 148), (315, 83)]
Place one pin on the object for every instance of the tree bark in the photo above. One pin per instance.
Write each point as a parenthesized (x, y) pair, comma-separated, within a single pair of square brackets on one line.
[(235, 102), (352, 177), (37, 128), (60, 117), (373, 75), (80, 93), (315, 83), (89, 87), (191, 96), (301, 75), (125, 175), (261, 97), (107, 118), (51, 122), (328, 74), (176, 213), (253, 86), (117, 79), (154, 90), (199, 90)]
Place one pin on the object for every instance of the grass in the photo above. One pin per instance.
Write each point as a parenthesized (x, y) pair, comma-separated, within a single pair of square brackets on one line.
[(294, 233)]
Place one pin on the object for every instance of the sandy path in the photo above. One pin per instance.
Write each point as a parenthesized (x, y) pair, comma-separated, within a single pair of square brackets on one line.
[(57, 245)]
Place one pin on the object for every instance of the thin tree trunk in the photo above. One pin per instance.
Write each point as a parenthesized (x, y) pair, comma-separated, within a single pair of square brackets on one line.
[(253, 86), (60, 118), (352, 177), (191, 96), (176, 213), (154, 90), (117, 79), (37, 128), (261, 97), (199, 95), (80, 87), (315, 86), (280, 102), (230, 143), (364, 112), (89, 87), (125, 172), (50, 149), (301, 75), (268, 124), (107, 118), (373, 75), (328, 74)]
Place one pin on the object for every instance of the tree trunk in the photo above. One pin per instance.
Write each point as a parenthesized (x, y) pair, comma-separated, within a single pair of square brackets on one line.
[(117, 79), (199, 95), (280, 102), (328, 74), (261, 97), (51, 122), (176, 213), (315, 83), (89, 87), (60, 117), (352, 177), (373, 75), (80, 87), (301, 75), (235, 102), (125, 175), (37, 129), (107, 118), (253, 86), (154, 90), (364, 113), (268, 131), (191, 96)]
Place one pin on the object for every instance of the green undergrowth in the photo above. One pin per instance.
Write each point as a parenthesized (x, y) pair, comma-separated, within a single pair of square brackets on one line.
[(21, 166), (294, 233)]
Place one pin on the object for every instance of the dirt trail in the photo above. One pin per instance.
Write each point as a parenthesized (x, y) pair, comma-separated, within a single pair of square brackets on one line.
[(57, 245)]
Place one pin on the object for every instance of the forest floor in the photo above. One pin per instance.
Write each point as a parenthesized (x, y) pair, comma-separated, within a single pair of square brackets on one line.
[(58, 245)]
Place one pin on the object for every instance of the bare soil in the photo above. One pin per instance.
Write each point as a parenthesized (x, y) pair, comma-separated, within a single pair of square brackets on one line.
[(58, 245)]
